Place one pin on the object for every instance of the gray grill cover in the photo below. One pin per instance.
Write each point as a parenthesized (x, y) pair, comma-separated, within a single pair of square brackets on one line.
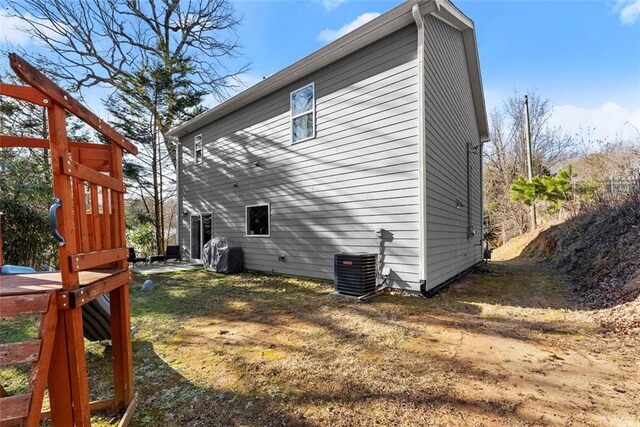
[(218, 256)]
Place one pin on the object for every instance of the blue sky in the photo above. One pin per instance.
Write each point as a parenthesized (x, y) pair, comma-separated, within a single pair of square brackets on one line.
[(583, 55)]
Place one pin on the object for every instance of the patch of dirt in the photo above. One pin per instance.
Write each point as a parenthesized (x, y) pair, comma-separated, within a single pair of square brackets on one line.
[(504, 347), (550, 363), (514, 247), (599, 250), (500, 347)]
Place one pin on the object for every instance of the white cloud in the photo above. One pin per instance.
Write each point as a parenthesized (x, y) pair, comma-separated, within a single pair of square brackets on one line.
[(10, 29), (330, 35), (330, 5), (608, 121), (629, 11), (13, 30)]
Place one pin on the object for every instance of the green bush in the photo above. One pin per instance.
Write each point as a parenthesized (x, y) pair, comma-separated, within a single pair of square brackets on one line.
[(142, 237), (26, 237), (555, 190)]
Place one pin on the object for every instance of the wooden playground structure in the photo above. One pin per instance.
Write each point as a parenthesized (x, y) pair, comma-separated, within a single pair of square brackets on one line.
[(87, 218)]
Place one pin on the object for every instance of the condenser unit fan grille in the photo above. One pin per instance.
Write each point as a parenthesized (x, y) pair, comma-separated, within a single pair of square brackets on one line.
[(355, 273)]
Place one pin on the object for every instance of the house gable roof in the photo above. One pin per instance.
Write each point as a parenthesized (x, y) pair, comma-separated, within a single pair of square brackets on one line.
[(385, 24)]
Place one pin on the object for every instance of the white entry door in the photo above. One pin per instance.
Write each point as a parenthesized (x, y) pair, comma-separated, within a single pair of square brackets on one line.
[(201, 233)]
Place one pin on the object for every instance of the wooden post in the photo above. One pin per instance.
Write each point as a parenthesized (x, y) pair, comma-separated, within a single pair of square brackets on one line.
[(40, 369), (120, 318), (1, 249), (68, 385)]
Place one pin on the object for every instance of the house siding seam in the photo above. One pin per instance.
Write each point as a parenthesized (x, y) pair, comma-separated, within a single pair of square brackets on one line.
[(450, 125), (328, 194)]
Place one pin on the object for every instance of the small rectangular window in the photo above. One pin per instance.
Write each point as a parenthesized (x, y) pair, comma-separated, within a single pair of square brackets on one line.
[(197, 149), (303, 112), (258, 221)]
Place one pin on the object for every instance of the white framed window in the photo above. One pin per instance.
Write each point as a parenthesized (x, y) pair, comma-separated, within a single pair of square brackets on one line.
[(303, 113), (197, 149), (258, 220)]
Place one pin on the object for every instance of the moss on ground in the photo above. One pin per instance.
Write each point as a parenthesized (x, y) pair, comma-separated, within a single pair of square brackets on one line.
[(259, 349)]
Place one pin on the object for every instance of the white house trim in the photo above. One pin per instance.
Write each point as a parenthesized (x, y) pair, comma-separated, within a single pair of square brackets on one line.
[(292, 116), (385, 24), (246, 216), (422, 145)]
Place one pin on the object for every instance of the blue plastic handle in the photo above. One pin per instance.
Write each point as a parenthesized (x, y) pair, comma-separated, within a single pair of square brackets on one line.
[(53, 221)]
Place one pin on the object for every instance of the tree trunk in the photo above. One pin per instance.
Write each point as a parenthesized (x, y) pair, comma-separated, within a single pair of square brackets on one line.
[(171, 149), (161, 199), (156, 198)]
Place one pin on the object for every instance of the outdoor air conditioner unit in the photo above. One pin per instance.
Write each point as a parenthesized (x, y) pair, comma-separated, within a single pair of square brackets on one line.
[(355, 274)]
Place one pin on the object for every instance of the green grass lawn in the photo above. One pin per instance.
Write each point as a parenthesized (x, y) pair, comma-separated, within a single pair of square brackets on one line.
[(264, 350)]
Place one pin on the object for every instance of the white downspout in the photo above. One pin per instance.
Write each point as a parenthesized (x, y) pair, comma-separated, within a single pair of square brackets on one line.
[(422, 184), (176, 142)]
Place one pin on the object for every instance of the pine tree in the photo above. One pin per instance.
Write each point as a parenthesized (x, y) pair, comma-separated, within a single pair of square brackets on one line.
[(163, 92), (555, 190)]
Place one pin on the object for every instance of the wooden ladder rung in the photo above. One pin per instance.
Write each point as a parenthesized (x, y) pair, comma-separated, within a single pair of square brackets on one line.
[(85, 294), (88, 260), (20, 352), (7, 141), (25, 93), (14, 407)]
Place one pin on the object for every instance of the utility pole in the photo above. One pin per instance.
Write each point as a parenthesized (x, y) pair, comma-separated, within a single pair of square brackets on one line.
[(534, 221)]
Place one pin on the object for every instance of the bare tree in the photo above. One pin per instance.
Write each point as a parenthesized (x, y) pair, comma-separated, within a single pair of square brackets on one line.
[(505, 158), (110, 42), (159, 57)]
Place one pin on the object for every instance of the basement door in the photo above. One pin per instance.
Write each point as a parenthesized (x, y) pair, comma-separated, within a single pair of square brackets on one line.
[(201, 233)]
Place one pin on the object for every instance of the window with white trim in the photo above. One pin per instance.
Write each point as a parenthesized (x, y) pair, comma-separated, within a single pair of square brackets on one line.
[(258, 220), (303, 113), (197, 149)]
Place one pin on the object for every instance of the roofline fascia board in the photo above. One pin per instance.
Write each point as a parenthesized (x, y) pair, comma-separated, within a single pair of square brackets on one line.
[(386, 24), (477, 90), (422, 143), (452, 16)]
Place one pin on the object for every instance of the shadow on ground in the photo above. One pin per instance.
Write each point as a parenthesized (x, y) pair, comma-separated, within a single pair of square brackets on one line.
[(498, 347), (597, 249), (262, 350)]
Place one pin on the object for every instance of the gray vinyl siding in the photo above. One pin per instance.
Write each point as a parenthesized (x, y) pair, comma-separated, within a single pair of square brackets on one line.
[(327, 194), (450, 124)]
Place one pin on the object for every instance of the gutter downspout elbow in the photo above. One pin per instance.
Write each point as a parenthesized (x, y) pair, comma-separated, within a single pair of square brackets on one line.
[(422, 178), (423, 289), (417, 16)]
